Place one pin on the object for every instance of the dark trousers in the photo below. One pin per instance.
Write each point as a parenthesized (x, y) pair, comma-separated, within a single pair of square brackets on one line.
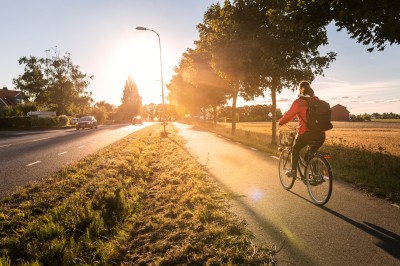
[(303, 140)]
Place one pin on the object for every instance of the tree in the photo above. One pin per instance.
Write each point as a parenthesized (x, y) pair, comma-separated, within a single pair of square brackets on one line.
[(54, 83), (182, 93), (292, 51), (32, 83), (370, 22), (227, 38), (110, 108), (256, 46), (197, 83), (131, 100), (102, 111)]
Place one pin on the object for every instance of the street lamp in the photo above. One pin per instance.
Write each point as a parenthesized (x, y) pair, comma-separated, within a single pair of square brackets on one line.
[(162, 81)]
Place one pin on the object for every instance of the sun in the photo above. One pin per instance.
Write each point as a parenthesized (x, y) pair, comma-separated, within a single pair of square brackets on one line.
[(139, 58)]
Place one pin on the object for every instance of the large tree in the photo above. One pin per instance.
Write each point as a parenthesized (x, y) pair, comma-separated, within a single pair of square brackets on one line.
[(227, 38), (131, 100), (196, 85), (257, 50), (55, 83), (290, 50)]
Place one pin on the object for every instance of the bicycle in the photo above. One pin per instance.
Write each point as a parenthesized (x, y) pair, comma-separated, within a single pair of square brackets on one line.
[(314, 170)]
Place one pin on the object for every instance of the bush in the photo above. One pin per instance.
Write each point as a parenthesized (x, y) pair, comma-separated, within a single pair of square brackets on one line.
[(63, 120), (44, 122), (14, 122)]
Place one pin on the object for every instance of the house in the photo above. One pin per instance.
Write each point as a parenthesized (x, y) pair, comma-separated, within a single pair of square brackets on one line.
[(9, 97), (39, 114), (340, 113)]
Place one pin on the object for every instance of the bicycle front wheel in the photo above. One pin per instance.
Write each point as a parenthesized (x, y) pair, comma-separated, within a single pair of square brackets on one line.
[(285, 164), (319, 180)]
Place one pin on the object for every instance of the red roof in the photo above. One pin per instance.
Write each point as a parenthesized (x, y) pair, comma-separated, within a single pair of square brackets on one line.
[(9, 96), (8, 93)]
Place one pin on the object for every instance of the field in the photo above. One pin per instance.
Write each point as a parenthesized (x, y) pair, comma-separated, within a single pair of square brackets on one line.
[(376, 136), (365, 154)]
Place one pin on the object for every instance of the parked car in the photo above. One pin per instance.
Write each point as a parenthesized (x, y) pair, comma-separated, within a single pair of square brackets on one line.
[(73, 120), (86, 122), (137, 120)]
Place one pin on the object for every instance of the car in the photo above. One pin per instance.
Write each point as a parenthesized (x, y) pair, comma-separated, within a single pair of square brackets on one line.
[(86, 122), (74, 120), (137, 120)]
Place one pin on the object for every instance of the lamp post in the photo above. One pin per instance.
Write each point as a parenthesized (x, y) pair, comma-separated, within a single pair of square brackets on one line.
[(162, 81)]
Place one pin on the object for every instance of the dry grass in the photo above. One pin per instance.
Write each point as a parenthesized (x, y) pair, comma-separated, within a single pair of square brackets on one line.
[(379, 136), (141, 201)]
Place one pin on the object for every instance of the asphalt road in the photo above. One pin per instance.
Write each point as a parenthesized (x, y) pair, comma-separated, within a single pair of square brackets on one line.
[(351, 229), (30, 155)]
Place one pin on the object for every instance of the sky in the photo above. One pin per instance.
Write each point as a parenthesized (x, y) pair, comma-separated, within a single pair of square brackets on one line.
[(101, 37)]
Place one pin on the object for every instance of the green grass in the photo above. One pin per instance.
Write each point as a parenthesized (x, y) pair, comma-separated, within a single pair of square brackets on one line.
[(372, 169), (143, 200)]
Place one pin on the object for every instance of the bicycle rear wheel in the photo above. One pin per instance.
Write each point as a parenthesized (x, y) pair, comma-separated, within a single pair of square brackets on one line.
[(319, 180), (285, 164)]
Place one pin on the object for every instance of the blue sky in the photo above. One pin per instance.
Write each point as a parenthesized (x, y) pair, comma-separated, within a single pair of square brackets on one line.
[(102, 40)]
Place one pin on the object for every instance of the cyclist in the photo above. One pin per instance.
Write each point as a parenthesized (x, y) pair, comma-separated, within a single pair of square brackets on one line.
[(304, 135)]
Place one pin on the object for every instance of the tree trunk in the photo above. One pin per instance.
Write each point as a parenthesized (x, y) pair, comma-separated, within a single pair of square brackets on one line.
[(273, 97), (234, 99), (215, 109)]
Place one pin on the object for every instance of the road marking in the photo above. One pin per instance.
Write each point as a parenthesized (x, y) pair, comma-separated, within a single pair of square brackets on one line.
[(275, 157), (61, 153), (5, 146), (254, 149), (80, 147), (33, 163), (40, 139), (94, 141), (395, 205)]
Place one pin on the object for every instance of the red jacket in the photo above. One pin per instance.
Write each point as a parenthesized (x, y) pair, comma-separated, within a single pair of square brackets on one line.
[(298, 108)]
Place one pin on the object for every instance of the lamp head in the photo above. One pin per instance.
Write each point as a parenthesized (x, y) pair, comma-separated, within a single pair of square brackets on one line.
[(141, 28)]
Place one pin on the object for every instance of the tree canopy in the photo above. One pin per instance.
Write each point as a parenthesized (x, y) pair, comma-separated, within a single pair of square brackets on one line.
[(54, 83), (195, 85), (131, 100), (370, 22), (256, 47)]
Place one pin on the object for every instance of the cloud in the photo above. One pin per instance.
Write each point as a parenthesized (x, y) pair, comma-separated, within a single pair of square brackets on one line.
[(351, 99), (282, 100), (393, 101)]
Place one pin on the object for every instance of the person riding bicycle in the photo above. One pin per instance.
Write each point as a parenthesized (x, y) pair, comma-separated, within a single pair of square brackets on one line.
[(304, 135)]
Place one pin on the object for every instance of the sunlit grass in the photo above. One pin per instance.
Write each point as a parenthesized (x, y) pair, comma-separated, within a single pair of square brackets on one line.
[(143, 200)]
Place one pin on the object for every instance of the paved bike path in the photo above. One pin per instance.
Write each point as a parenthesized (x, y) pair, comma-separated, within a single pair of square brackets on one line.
[(351, 229)]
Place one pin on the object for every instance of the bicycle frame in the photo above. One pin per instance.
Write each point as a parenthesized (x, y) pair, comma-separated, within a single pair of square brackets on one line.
[(314, 171)]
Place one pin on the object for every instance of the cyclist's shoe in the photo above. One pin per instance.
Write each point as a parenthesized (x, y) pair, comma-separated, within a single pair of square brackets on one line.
[(291, 173)]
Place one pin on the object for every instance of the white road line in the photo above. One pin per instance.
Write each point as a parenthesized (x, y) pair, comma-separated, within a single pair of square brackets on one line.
[(5, 145), (275, 157), (395, 205), (33, 163), (254, 149), (61, 153), (40, 139), (80, 147)]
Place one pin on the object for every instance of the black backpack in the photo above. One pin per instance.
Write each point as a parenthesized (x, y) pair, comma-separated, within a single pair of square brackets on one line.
[(318, 115)]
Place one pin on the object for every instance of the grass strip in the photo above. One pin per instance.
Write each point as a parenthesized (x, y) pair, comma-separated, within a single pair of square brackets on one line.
[(141, 201)]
